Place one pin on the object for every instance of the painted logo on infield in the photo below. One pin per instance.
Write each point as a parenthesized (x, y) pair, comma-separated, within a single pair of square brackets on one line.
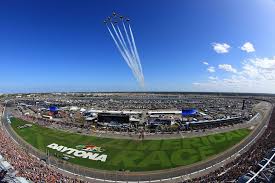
[(89, 148), (81, 153)]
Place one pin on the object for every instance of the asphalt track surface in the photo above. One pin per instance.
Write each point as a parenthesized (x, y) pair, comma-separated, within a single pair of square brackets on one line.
[(178, 174)]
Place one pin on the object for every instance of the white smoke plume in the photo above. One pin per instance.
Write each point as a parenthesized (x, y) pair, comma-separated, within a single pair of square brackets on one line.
[(128, 51)]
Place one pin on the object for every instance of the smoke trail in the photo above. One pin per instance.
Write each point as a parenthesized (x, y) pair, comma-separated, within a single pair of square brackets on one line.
[(118, 47), (124, 54), (122, 38), (135, 48), (132, 51), (134, 64), (123, 48), (136, 53), (128, 39)]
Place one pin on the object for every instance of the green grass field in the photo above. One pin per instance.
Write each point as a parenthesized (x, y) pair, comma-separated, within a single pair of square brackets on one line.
[(130, 154)]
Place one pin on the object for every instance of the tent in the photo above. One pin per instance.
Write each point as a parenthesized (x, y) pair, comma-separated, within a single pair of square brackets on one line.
[(189, 112)]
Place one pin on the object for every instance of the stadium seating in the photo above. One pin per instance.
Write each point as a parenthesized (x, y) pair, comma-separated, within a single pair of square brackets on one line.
[(241, 168), (7, 173), (18, 166), (265, 170)]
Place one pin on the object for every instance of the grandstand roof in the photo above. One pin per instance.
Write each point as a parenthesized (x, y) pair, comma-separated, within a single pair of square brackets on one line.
[(164, 112), (114, 112)]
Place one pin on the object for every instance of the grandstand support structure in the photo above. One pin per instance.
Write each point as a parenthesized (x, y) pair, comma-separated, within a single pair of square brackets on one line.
[(266, 173)]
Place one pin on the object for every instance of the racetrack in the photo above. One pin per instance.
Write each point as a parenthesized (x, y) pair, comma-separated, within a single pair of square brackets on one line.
[(179, 173)]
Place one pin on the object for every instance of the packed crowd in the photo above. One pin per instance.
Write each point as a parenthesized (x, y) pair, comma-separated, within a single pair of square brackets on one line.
[(28, 166), (247, 161)]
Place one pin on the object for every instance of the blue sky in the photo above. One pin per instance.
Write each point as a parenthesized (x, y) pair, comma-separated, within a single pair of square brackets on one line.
[(64, 46)]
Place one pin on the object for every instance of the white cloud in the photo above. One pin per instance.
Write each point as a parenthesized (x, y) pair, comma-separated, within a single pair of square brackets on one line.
[(237, 84), (213, 78), (256, 75), (227, 68), (205, 63), (221, 47), (196, 83), (259, 68), (211, 69), (248, 47)]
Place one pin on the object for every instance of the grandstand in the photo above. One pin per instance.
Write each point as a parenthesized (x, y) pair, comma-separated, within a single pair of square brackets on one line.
[(255, 165), (19, 166), (8, 173), (108, 117), (265, 170)]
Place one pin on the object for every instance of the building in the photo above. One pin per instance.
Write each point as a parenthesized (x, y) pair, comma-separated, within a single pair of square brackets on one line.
[(108, 117)]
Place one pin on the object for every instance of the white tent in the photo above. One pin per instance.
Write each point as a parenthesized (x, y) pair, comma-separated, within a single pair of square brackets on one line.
[(74, 108), (90, 118)]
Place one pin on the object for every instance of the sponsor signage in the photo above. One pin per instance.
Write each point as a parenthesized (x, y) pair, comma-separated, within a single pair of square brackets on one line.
[(82, 151), (89, 148)]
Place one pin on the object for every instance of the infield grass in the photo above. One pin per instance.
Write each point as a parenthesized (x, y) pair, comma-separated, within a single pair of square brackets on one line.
[(133, 155)]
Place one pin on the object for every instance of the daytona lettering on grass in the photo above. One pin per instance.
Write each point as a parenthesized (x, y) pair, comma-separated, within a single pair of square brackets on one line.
[(78, 153)]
